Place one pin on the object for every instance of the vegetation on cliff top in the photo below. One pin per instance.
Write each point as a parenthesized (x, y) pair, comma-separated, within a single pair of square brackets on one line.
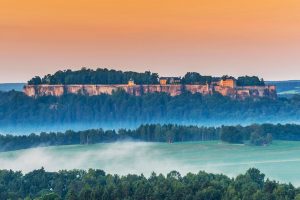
[(253, 134), (123, 109), (98, 76), (96, 184), (106, 76)]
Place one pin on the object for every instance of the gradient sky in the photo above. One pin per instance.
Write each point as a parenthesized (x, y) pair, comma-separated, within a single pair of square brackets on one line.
[(213, 37)]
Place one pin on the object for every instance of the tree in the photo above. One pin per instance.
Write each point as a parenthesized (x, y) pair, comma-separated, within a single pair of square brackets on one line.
[(250, 81), (98, 76), (71, 195), (50, 196), (196, 78), (256, 176), (96, 184), (35, 81), (85, 193), (123, 109), (231, 134)]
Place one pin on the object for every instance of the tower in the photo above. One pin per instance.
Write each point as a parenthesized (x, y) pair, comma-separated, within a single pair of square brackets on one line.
[(131, 82)]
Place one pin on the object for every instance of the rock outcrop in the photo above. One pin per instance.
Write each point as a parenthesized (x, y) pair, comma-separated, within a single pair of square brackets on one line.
[(173, 90)]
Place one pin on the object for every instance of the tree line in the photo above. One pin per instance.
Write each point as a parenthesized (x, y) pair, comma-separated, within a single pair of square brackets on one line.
[(96, 184), (106, 76), (122, 109), (98, 76), (253, 135)]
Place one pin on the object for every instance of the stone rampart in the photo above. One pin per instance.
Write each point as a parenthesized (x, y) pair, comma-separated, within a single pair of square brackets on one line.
[(173, 90)]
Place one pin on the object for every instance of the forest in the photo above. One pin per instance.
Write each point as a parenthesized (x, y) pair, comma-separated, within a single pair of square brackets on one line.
[(106, 76), (98, 76), (123, 110), (96, 184), (252, 135)]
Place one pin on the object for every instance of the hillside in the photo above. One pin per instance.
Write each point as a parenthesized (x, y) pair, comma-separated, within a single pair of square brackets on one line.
[(124, 110)]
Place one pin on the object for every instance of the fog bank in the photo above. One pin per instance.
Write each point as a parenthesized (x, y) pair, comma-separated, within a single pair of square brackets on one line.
[(143, 158), (116, 158)]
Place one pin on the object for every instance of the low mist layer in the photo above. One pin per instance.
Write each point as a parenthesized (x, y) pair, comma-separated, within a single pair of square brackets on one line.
[(139, 157), (121, 158)]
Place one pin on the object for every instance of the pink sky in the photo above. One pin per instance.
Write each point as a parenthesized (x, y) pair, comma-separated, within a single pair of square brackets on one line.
[(212, 37)]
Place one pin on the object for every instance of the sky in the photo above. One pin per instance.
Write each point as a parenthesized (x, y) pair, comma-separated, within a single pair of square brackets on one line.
[(171, 37)]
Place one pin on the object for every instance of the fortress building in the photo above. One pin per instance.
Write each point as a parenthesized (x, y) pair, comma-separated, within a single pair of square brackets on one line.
[(163, 81), (168, 85), (131, 82), (231, 83), (169, 80)]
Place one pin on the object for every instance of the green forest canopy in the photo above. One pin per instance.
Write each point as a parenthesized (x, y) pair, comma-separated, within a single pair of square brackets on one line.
[(106, 76), (253, 134), (96, 184), (17, 109)]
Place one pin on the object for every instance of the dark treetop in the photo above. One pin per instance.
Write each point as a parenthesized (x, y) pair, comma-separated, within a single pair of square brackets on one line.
[(96, 184), (253, 134), (106, 76)]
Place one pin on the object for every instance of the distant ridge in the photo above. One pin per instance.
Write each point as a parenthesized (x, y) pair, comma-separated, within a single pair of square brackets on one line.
[(286, 88), (5, 87), (283, 81)]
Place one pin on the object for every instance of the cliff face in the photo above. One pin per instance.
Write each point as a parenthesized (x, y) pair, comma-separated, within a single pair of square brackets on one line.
[(173, 90)]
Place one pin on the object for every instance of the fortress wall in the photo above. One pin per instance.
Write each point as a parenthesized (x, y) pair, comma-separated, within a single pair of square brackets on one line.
[(226, 91), (203, 89), (262, 91), (253, 87), (74, 89), (29, 91), (99, 89), (243, 93), (151, 88), (44, 90), (272, 87), (93, 89), (173, 90), (54, 90)]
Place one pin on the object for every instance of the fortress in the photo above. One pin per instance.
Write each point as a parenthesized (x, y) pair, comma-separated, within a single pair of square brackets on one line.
[(169, 85)]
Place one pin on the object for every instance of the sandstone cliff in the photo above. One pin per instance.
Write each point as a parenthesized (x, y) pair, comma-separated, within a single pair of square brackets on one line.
[(173, 90)]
